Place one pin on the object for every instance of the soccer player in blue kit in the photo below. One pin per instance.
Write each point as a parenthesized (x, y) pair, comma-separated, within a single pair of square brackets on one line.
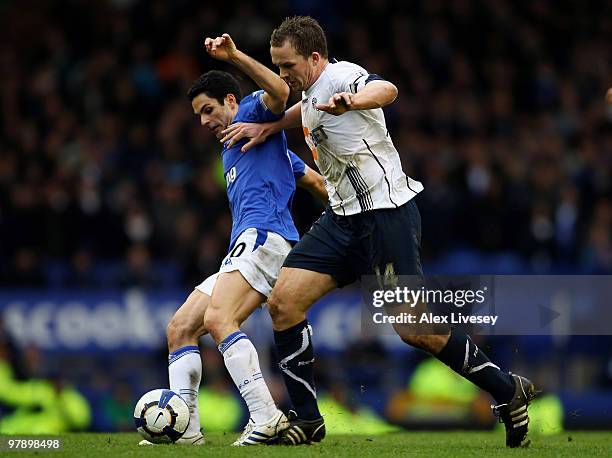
[(260, 188)]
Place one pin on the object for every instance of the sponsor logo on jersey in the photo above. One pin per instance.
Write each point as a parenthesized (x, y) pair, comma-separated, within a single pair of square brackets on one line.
[(318, 135), (230, 176)]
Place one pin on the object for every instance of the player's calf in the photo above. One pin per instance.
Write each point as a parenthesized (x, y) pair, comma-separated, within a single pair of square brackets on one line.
[(233, 300), (430, 343), (184, 360)]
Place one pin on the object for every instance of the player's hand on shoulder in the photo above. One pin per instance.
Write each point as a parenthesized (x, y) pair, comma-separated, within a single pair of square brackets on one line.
[(338, 104), (237, 131), (222, 48)]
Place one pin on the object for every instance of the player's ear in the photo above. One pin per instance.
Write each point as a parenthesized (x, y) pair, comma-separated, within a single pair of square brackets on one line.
[(231, 101), (315, 57)]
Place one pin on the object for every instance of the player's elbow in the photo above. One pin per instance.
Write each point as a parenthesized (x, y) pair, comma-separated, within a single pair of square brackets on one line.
[(391, 92), (380, 94), (283, 92), (276, 98), (314, 183), (320, 191), (280, 96)]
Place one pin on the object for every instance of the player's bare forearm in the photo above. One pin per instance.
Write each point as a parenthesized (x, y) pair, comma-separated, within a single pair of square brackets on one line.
[(374, 95), (257, 133), (276, 90), (291, 120), (314, 183)]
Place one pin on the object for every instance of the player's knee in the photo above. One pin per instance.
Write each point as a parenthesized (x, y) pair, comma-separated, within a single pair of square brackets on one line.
[(276, 306), (283, 312), (212, 320), (217, 323), (178, 332)]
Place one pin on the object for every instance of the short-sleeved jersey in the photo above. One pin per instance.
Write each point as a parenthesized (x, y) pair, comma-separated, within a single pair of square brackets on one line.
[(261, 182), (354, 151)]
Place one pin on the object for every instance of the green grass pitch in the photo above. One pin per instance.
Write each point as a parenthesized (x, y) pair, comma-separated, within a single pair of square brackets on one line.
[(427, 444)]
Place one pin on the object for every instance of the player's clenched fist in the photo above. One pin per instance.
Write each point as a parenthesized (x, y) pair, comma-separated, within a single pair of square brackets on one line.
[(222, 48)]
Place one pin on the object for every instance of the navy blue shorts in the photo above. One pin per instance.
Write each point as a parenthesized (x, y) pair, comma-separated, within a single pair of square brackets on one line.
[(370, 243)]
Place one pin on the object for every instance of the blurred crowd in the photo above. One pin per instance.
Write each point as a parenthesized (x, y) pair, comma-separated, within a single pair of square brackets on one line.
[(107, 178)]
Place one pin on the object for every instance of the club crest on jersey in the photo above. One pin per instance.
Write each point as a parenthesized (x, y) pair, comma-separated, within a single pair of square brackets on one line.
[(314, 103)]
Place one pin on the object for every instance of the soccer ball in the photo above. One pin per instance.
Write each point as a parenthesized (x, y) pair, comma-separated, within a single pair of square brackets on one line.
[(161, 416)]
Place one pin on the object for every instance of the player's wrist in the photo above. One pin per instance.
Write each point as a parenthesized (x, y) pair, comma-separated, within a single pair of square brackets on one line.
[(268, 129), (236, 58), (356, 102)]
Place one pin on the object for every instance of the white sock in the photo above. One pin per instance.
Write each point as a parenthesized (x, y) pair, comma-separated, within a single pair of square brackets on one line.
[(185, 374), (242, 363)]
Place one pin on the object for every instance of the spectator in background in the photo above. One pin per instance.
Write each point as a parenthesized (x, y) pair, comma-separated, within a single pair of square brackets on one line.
[(501, 114), (25, 270), (137, 270), (82, 273)]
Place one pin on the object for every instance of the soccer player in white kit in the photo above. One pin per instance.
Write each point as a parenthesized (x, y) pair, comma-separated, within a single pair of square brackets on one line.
[(371, 226)]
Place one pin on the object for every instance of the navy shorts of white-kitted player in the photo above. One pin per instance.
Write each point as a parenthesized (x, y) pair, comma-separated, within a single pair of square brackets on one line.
[(368, 243)]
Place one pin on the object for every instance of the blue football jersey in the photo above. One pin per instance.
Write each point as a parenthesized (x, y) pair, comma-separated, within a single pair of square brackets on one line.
[(261, 182)]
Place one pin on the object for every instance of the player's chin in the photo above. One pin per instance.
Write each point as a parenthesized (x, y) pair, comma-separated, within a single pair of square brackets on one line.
[(295, 86)]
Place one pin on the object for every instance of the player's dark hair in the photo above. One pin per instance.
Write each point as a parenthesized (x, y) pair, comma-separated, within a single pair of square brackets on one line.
[(215, 84), (304, 33)]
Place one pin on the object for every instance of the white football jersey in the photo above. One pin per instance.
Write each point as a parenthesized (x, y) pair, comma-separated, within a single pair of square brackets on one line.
[(354, 151)]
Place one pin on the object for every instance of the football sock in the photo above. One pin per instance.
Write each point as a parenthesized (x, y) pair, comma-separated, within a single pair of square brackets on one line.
[(185, 373), (465, 358), (296, 355), (242, 363)]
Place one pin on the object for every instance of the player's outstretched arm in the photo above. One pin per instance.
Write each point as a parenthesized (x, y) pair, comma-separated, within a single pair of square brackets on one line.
[(259, 132), (314, 183), (276, 91), (374, 95)]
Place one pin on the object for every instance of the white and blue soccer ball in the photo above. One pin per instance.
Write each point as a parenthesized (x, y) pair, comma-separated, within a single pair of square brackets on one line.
[(161, 416)]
